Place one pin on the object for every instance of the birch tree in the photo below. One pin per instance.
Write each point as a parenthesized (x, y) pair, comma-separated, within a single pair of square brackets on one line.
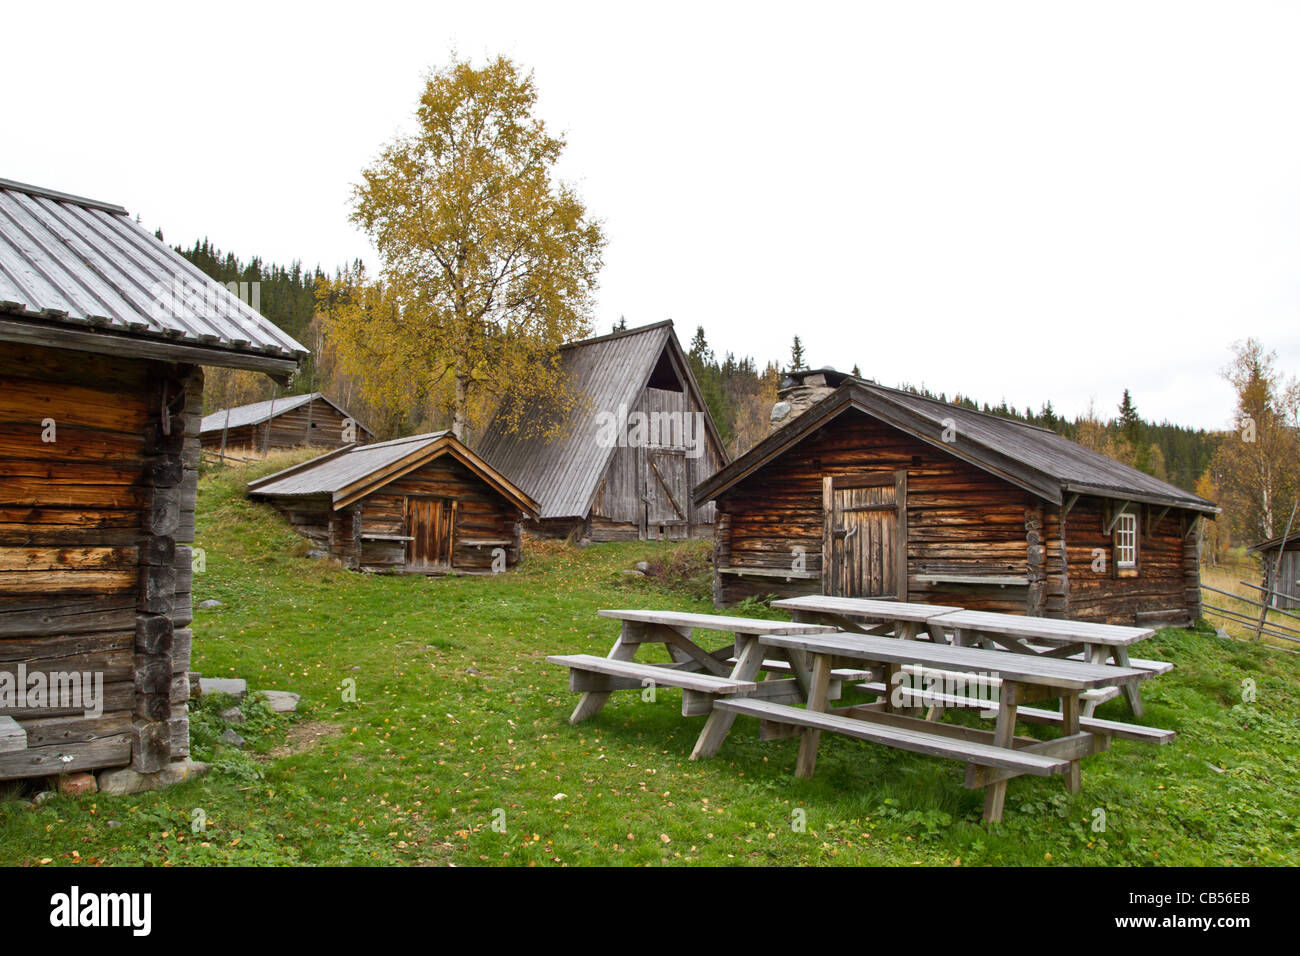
[(489, 262)]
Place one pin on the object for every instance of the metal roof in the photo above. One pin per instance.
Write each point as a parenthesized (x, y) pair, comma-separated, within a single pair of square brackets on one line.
[(253, 414), (80, 273), (259, 412), (1034, 458), (564, 474), (355, 471)]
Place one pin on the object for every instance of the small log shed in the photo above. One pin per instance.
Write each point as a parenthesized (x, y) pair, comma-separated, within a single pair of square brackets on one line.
[(103, 332), (600, 490), (1287, 584), (423, 505), (878, 492), (285, 422)]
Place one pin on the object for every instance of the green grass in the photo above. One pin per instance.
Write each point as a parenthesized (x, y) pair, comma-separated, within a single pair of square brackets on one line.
[(459, 722)]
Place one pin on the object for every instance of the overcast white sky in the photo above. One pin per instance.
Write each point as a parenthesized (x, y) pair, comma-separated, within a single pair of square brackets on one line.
[(1021, 200)]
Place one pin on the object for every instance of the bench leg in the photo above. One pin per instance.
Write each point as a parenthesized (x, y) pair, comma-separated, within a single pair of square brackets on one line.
[(749, 660), (1004, 733), (1070, 727), (624, 649), (1131, 693), (1095, 654), (821, 681)]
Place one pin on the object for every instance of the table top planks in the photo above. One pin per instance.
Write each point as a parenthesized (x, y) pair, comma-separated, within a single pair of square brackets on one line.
[(1046, 628), (865, 608), (716, 622), (1024, 668)]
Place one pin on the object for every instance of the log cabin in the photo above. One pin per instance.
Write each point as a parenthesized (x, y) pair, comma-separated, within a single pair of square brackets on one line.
[(623, 466), (1281, 579), (867, 491), (422, 505), (285, 422), (103, 334)]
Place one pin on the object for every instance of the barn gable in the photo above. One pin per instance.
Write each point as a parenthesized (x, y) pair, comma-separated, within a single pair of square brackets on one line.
[(104, 329), (582, 478)]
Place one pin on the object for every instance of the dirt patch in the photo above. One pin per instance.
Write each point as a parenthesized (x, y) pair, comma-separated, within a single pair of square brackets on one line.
[(302, 737)]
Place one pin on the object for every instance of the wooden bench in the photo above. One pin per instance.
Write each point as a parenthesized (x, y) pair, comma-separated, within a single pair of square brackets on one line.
[(628, 675), (702, 675), (1091, 698), (1030, 715), (862, 727)]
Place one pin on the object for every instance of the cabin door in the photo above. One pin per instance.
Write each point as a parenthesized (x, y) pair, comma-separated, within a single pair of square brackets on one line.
[(862, 539), (429, 524), (667, 491)]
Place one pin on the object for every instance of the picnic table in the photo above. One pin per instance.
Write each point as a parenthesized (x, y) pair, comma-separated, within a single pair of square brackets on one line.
[(1052, 637), (1057, 638), (849, 614), (702, 675), (992, 757)]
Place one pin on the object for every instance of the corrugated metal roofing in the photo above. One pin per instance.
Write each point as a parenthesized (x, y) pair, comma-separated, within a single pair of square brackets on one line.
[(254, 414), (563, 475), (340, 469), (1052, 464), (72, 262)]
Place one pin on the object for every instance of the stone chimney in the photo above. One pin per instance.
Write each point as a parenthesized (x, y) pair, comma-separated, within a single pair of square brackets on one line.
[(801, 390)]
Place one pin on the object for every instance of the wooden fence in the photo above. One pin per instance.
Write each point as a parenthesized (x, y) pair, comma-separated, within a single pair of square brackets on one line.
[(1261, 625)]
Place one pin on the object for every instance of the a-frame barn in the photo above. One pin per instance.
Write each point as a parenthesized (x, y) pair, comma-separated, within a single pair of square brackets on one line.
[(638, 441)]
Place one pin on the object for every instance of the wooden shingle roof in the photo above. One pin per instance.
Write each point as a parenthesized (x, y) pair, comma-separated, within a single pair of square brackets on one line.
[(1036, 459), (564, 474)]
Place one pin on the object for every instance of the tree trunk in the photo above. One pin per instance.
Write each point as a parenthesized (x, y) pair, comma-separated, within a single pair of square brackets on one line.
[(460, 404)]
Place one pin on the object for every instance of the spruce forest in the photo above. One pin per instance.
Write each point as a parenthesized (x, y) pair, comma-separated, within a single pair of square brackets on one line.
[(738, 389)]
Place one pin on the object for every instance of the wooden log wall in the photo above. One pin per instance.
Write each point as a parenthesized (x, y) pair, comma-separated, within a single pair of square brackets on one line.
[(1156, 594), (961, 520), (96, 512)]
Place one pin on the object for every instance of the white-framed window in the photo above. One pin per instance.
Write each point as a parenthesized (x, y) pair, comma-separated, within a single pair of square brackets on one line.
[(1126, 534)]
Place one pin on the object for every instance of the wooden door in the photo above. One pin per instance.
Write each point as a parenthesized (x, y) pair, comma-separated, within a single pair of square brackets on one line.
[(864, 537), (667, 491), (430, 523)]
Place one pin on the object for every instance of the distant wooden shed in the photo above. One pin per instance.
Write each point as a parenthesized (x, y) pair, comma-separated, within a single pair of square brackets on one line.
[(878, 492), (627, 459), (423, 505), (103, 333), (1287, 581), (286, 422)]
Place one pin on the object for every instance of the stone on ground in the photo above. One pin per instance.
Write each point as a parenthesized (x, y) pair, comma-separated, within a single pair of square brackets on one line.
[(232, 738), (75, 784), (280, 701), (236, 687), (124, 780)]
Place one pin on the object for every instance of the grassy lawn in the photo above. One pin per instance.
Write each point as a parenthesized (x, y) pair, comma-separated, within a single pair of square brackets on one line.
[(458, 723)]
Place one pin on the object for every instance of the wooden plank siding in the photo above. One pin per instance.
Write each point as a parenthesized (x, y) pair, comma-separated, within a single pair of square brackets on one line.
[(961, 521), (646, 491), (95, 572)]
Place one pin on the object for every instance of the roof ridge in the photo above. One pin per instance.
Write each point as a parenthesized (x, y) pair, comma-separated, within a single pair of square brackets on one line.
[(619, 334), (964, 408), (57, 196), (425, 436)]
